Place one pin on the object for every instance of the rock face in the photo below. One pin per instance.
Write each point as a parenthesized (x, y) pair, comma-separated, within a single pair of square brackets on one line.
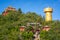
[(8, 9), (37, 36)]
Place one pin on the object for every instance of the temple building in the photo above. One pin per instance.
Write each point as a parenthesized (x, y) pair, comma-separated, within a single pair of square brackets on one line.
[(46, 28), (22, 28), (48, 14), (8, 9)]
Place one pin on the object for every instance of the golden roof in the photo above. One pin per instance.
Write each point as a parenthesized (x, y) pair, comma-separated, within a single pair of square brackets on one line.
[(48, 9)]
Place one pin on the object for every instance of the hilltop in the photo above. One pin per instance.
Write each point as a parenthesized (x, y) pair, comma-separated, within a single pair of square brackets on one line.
[(11, 22)]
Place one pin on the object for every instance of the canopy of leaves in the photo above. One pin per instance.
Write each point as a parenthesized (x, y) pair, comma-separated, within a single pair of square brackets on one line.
[(9, 24)]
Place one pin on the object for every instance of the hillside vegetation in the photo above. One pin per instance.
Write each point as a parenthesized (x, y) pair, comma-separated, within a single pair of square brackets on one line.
[(9, 26)]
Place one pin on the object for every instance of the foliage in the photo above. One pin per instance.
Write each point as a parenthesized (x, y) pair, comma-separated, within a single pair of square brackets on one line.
[(9, 26), (53, 33), (27, 35)]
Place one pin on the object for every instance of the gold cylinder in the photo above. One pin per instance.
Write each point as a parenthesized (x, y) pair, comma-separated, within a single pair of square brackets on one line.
[(48, 14)]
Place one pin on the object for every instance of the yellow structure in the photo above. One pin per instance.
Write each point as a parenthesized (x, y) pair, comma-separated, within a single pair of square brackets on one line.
[(48, 14)]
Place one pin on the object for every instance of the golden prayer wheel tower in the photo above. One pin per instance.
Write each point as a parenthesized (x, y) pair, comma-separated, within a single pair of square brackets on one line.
[(48, 14)]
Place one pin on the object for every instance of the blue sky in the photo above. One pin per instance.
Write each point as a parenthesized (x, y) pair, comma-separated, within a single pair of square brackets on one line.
[(33, 6)]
